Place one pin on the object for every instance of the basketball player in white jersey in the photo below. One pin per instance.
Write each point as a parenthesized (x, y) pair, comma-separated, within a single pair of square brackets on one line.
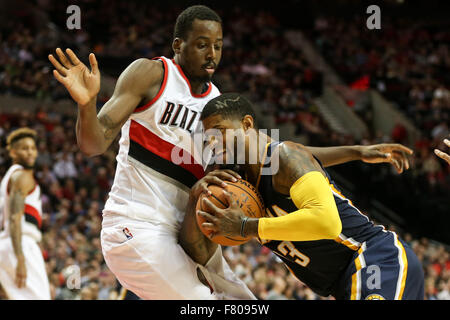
[(22, 268), (156, 105)]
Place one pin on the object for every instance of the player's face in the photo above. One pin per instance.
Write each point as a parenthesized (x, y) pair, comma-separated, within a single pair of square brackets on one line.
[(237, 150), (200, 54), (24, 152)]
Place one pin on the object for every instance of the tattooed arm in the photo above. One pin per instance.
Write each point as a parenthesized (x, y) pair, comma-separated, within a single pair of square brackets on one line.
[(20, 184), (138, 83), (296, 160)]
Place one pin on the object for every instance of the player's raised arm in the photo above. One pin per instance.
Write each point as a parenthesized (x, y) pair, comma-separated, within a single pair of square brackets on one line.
[(393, 153), (138, 81), (20, 184)]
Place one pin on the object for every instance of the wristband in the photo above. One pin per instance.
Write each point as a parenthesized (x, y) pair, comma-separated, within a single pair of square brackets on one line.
[(244, 221)]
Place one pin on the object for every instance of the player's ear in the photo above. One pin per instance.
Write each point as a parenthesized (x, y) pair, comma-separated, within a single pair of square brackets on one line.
[(248, 122), (12, 152), (176, 45)]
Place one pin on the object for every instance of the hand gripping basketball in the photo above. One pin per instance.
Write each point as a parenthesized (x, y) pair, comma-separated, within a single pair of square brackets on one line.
[(220, 214)]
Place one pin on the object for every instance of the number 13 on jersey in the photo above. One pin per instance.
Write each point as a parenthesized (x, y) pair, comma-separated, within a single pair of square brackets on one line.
[(288, 248)]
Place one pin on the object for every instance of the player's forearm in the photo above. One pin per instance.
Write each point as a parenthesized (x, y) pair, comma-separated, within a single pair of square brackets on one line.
[(15, 230), (191, 239), (17, 205), (330, 156), (188, 232), (90, 134)]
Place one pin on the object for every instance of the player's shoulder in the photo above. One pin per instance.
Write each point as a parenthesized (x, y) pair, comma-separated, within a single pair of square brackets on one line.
[(293, 155), (145, 64), (22, 179), (141, 74), (287, 149), (144, 67)]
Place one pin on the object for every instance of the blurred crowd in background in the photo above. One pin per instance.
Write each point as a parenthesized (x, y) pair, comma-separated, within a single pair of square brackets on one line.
[(409, 63), (406, 63)]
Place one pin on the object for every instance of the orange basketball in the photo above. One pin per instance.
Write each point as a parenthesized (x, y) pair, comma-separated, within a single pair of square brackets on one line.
[(247, 197)]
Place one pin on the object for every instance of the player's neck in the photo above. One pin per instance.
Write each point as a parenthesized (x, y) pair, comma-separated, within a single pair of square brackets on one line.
[(253, 170), (198, 86), (25, 168)]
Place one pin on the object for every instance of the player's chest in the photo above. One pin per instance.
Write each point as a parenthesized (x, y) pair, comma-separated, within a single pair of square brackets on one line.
[(174, 112)]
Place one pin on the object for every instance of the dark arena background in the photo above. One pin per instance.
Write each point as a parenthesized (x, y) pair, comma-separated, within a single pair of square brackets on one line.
[(315, 72)]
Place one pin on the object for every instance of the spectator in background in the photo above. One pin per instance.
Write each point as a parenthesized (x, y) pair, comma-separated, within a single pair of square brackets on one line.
[(278, 286), (64, 167)]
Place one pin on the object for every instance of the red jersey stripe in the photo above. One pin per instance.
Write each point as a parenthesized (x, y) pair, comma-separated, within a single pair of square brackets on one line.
[(32, 211), (161, 148)]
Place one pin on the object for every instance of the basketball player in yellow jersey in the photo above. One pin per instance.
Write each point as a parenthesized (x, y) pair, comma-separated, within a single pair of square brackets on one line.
[(323, 239)]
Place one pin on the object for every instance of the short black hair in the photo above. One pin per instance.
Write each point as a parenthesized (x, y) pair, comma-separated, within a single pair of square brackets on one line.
[(18, 135), (187, 17), (229, 105)]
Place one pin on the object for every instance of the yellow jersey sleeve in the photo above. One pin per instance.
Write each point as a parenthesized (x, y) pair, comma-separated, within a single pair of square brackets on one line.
[(316, 219)]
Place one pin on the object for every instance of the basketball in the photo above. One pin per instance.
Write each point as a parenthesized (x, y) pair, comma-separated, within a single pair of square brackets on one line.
[(248, 199)]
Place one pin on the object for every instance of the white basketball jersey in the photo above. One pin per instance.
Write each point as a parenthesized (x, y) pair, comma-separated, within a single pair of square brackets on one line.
[(32, 218), (157, 163)]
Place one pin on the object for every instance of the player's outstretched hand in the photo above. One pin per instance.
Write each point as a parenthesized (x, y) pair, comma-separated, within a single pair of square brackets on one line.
[(83, 84), (222, 222), (442, 154), (393, 153)]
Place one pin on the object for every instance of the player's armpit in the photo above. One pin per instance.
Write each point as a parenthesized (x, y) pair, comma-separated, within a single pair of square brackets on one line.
[(316, 219)]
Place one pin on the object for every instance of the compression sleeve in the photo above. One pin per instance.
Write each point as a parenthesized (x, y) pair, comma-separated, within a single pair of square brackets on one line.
[(316, 219)]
